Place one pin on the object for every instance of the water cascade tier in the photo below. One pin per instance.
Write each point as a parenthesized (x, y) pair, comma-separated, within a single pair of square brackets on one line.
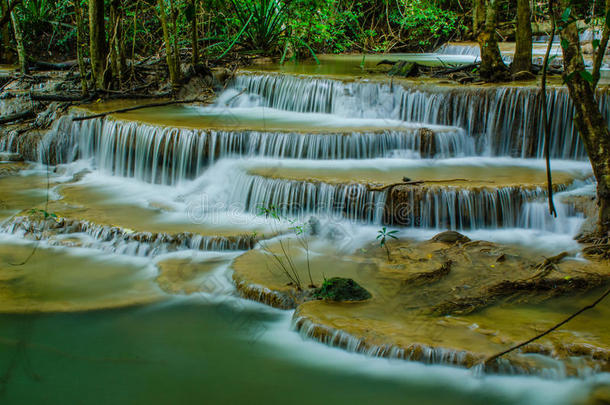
[(164, 154), (453, 194), (314, 169), (504, 121)]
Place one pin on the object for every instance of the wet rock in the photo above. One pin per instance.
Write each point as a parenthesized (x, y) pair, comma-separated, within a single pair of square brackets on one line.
[(600, 395), (524, 75), (405, 69), (451, 237), (342, 289), (427, 142), (10, 157)]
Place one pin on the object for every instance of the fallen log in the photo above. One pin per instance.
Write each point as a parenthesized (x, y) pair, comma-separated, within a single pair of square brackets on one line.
[(17, 116), (40, 65), (58, 97)]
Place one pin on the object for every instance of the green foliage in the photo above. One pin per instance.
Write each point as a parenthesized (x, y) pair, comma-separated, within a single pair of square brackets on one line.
[(47, 22), (45, 214), (424, 20), (262, 22)]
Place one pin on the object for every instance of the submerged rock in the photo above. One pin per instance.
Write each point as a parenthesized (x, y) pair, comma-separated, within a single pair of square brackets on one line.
[(342, 289), (451, 237)]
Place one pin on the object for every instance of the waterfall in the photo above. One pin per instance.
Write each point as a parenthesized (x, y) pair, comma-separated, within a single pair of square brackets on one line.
[(117, 240), (505, 121), (462, 208), (168, 155), (459, 49), (299, 198), (443, 207)]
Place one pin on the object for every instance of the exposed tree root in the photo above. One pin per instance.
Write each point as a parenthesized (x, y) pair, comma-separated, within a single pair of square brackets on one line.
[(540, 288), (548, 265), (431, 276)]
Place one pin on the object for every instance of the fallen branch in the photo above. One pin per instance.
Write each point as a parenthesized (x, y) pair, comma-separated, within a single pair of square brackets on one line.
[(546, 332), (549, 265), (122, 110), (17, 117), (416, 183)]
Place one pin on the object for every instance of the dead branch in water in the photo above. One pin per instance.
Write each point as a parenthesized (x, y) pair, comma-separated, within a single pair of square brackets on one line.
[(548, 265), (417, 183), (546, 114), (139, 107), (546, 332)]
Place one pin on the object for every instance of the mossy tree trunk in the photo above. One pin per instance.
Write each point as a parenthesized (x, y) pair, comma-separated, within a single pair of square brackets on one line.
[(172, 57), (81, 45), (21, 55), (97, 44), (492, 67), (522, 61), (591, 125)]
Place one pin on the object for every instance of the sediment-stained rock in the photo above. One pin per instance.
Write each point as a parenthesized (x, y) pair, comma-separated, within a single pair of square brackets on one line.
[(400, 321)]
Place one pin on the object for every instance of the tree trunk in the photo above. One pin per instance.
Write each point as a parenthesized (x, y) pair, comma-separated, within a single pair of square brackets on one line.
[(117, 54), (80, 45), (478, 17), (522, 62), (97, 43), (21, 55), (172, 64), (5, 47), (194, 33), (591, 125), (492, 67), (599, 53)]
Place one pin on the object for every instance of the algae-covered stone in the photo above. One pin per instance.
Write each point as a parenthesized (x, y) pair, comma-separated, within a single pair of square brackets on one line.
[(342, 289), (451, 237)]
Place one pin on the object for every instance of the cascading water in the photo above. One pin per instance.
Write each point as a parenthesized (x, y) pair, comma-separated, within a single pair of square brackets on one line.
[(168, 155), (218, 169), (505, 121), (496, 121)]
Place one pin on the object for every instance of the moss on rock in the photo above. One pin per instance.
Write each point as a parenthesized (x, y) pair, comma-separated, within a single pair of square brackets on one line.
[(342, 289)]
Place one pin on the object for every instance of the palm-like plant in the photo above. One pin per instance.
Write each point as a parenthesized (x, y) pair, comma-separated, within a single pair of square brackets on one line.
[(263, 22), (383, 235)]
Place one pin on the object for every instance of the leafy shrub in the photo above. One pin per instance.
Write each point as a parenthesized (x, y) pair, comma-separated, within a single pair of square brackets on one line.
[(424, 21)]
